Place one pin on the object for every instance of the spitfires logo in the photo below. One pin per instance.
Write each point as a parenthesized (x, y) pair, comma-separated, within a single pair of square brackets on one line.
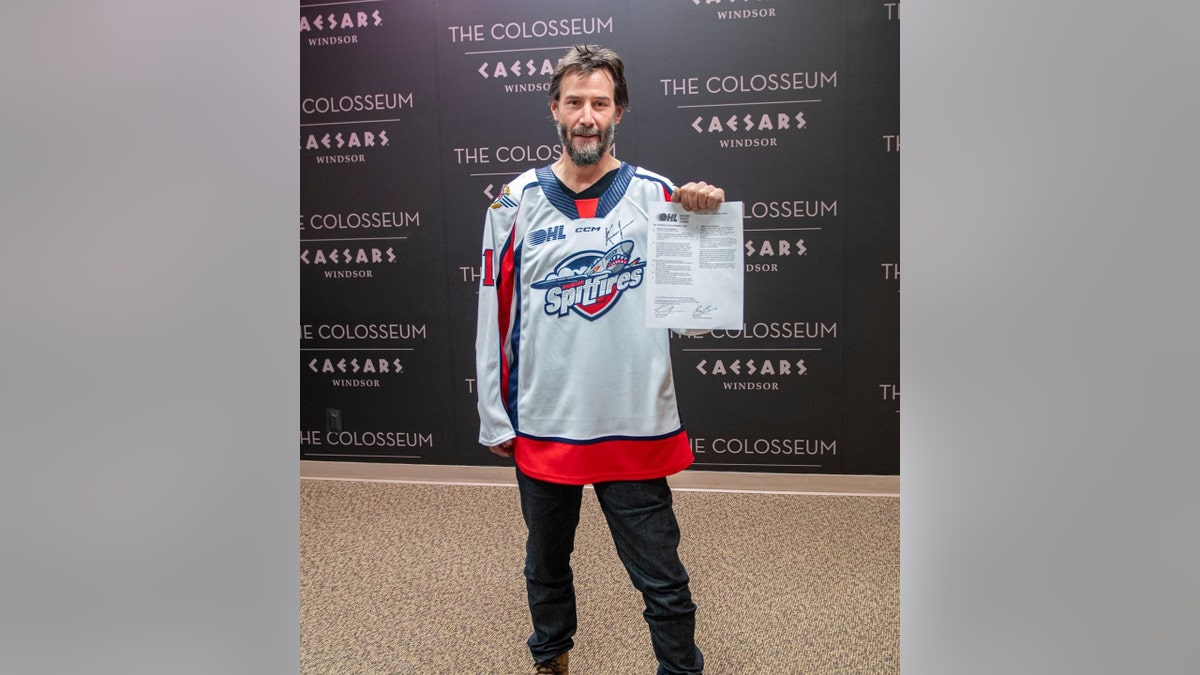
[(590, 282)]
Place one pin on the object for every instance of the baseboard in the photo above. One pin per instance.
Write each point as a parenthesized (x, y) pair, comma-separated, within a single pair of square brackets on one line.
[(692, 479)]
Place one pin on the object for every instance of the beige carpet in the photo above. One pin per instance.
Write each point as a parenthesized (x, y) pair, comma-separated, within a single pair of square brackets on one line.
[(409, 578)]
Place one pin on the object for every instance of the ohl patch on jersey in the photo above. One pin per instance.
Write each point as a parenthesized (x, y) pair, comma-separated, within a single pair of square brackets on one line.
[(591, 282)]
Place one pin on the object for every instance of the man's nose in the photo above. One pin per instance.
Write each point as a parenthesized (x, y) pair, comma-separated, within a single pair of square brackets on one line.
[(587, 116)]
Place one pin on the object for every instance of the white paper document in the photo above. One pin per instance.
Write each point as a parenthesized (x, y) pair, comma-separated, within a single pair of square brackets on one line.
[(695, 265)]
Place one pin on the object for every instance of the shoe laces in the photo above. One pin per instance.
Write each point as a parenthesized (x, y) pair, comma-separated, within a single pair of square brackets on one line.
[(551, 667)]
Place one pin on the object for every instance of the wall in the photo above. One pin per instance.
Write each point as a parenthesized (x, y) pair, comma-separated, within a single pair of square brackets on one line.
[(413, 116)]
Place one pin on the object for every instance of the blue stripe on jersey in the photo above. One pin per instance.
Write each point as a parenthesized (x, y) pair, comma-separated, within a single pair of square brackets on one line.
[(604, 439), (616, 190), (561, 200), (508, 403), (656, 179), (515, 321)]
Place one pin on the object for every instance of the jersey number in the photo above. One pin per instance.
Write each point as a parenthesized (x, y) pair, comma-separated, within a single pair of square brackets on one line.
[(489, 278)]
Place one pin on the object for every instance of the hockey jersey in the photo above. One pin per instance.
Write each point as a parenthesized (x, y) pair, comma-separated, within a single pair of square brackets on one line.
[(565, 364)]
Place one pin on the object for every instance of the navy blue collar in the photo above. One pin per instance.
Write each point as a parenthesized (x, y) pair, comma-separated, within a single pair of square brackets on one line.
[(566, 203)]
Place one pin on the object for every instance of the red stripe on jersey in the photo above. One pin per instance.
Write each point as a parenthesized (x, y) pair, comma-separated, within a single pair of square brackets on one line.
[(667, 192), (580, 464), (504, 304), (587, 207)]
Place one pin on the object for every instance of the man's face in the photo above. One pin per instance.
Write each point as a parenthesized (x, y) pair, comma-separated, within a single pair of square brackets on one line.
[(586, 116)]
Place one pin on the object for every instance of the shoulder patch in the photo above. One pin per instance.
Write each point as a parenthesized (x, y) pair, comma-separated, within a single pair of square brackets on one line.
[(504, 199)]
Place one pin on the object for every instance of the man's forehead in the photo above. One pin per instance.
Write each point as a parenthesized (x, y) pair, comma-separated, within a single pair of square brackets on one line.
[(578, 84)]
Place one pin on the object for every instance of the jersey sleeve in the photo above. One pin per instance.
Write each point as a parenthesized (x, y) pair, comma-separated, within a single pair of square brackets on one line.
[(497, 298)]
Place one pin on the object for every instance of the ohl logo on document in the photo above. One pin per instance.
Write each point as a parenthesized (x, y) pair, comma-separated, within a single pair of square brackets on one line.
[(590, 282)]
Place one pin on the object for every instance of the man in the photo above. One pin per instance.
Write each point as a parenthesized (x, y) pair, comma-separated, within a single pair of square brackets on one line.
[(572, 385)]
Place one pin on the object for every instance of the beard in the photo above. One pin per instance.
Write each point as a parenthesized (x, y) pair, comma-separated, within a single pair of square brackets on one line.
[(592, 151)]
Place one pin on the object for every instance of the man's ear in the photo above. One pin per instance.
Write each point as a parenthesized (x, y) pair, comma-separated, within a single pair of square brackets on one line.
[(617, 119), (554, 109)]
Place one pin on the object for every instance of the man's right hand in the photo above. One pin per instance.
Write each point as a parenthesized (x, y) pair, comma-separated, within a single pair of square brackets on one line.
[(505, 449)]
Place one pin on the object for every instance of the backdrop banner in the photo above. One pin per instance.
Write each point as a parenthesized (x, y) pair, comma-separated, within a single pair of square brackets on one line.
[(414, 115)]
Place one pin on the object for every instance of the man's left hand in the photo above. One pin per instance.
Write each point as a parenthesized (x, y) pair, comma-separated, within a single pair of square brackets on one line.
[(698, 196)]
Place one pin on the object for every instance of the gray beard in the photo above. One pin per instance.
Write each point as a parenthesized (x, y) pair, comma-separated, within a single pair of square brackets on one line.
[(591, 153)]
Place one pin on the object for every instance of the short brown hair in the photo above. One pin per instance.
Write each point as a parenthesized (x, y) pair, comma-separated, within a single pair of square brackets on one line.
[(585, 59)]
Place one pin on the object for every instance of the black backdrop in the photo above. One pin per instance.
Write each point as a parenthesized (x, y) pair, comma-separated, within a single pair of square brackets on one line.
[(413, 115)]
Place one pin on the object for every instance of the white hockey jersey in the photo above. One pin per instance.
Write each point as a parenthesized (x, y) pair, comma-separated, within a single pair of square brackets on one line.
[(565, 364)]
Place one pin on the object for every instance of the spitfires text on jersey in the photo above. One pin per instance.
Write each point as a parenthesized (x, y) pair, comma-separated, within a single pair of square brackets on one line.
[(591, 282)]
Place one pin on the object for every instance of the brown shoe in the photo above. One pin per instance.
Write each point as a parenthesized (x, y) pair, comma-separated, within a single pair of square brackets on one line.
[(555, 666)]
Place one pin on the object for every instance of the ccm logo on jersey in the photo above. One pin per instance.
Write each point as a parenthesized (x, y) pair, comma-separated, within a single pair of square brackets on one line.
[(589, 283)]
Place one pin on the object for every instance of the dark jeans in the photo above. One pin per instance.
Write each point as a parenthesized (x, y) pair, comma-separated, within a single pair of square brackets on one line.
[(646, 535)]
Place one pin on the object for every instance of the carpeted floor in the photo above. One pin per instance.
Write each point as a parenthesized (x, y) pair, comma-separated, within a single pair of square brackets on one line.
[(410, 578)]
